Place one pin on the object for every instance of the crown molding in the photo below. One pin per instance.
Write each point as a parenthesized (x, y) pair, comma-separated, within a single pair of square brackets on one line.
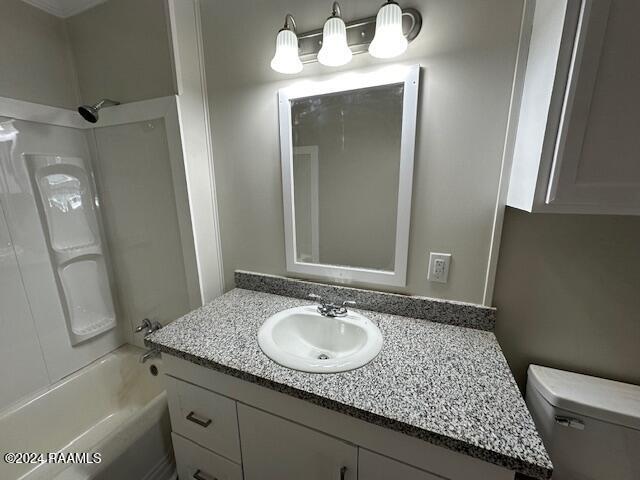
[(64, 8)]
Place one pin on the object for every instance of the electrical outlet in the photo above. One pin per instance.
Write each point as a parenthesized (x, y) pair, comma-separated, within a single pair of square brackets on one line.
[(439, 267)]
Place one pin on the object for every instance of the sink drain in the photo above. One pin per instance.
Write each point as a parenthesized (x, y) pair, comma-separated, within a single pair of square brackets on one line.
[(323, 356)]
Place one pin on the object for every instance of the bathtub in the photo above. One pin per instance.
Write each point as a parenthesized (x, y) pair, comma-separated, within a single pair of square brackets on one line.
[(114, 407)]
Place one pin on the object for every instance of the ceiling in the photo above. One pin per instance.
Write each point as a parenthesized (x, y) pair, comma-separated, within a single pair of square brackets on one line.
[(64, 8)]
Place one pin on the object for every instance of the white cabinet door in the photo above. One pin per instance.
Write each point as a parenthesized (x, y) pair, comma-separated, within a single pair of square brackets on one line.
[(372, 466), (576, 146), (596, 159), (277, 449)]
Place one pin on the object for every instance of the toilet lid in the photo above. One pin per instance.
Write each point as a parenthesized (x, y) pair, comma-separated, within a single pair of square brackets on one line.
[(605, 400)]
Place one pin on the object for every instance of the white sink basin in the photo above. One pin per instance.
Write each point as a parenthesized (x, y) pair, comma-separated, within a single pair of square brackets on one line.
[(302, 339)]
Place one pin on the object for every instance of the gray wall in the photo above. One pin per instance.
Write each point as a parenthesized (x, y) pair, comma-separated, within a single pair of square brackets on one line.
[(467, 49), (568, 294), (121, 50), (35, 57)]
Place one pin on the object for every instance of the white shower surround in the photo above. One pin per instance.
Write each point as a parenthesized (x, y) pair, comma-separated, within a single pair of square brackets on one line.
[(208, 264), (201, 262)]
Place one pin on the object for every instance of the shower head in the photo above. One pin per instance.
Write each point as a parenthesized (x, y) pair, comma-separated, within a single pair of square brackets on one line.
[(90, 112)]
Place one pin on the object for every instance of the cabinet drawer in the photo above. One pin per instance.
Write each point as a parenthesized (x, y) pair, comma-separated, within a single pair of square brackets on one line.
[(372, 466), (205, 417), (197, 463)]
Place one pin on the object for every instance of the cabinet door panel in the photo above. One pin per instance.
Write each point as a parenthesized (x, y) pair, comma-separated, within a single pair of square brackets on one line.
[(595, 164), (276, 449), (372, 466)]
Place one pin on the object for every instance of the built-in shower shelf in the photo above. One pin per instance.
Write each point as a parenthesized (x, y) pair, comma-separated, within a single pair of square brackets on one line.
[(97, 327), (69, 216), (68, 256)]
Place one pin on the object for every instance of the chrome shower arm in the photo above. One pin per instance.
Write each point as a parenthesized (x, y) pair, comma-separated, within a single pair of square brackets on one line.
[(106, 102)]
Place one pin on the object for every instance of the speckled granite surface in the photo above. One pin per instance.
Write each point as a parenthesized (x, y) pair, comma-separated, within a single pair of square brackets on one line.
[(447, 385), (441, 311)]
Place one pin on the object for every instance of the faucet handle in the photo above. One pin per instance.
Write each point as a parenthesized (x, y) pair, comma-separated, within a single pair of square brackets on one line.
[(315, 297), (349, 303), (145, 325)]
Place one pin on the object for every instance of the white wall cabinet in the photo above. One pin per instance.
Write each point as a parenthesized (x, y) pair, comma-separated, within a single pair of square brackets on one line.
[(576, 145), (238, 430)]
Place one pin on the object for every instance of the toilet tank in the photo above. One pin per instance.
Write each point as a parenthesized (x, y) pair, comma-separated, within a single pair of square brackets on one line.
[(590, 426)]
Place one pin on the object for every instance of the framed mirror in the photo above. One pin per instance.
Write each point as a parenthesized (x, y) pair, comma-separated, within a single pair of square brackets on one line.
[(347, 150)]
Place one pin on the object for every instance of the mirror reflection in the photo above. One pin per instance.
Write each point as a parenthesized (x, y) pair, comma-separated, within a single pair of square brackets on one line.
[(346, 166)]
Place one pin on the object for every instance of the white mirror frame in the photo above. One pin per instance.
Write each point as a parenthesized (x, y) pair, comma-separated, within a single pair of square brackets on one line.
[(410, 76)]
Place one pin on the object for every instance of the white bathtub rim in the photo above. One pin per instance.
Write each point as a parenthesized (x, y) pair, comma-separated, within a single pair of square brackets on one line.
[(24, 402)]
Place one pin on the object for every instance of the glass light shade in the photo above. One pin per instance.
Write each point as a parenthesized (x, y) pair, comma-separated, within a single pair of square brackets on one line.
[(389, 41), (286, 59), (335, 51)]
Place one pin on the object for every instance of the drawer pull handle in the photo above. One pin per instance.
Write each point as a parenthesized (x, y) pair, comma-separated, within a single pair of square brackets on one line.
[(343, 473), (199, 475), (203, 423), (569, 422)]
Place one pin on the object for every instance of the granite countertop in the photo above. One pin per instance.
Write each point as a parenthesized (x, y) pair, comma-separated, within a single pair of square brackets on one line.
[(445, 384)]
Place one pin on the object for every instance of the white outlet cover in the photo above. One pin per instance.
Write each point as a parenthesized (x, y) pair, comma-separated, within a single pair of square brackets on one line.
[(439, 267)]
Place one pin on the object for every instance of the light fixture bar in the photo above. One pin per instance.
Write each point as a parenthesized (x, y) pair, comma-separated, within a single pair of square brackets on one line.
[(360, 33)]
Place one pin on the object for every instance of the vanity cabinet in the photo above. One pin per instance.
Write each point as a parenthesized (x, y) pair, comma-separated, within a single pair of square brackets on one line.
[(575, 148), (225, 428)]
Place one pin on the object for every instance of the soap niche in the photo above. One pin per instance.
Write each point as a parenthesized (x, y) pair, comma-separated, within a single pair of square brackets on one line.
[(69, 214)]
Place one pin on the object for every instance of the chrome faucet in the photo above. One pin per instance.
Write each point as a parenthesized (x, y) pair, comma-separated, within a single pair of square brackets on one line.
[(149, 354), (331, 309), (148, 327)]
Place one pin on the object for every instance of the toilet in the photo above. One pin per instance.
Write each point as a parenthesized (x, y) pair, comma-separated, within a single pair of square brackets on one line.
[(590, 426)]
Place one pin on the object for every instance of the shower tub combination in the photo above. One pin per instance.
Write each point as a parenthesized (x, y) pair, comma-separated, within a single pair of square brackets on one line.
[(115, 407)]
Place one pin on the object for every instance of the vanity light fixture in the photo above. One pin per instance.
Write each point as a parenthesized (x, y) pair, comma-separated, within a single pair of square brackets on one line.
[(383, 36), (286, 59), (389, 40), (335, 50)]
